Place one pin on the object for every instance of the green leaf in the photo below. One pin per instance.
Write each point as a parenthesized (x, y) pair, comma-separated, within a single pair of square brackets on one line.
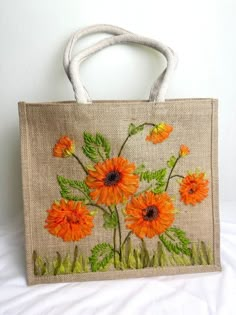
[(157, 176), (67, 185), (133, 130), (58, 265), (101, 256), (110, 220), (96, 148), (171, 161), (140, 169), (175, 241)]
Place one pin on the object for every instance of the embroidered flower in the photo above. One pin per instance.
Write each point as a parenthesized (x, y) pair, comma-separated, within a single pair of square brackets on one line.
[(193, 188), (69, 220), (159, 133), (149, 214), (112, 181), (184, 150), (64, 147)]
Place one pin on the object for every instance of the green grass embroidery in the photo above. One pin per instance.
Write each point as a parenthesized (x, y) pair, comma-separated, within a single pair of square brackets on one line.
[(132, 258)]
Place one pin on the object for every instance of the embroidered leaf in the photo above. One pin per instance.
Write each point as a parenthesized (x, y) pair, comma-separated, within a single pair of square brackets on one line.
[(58, 265), (96, 148), (171, 161), (158, 176), (67, 185), (110, 220), (140, 169), (101, 256), (175, 240), (144, 255), (133, 130)]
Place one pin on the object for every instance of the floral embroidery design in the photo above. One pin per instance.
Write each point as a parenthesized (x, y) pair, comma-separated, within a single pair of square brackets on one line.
[(69, 220), (126, 195)]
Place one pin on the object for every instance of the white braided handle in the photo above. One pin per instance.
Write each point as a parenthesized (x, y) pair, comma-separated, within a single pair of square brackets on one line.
[(160, 85)]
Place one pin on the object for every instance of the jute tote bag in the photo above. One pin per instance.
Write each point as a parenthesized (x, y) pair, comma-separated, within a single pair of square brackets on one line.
[(119, 189)]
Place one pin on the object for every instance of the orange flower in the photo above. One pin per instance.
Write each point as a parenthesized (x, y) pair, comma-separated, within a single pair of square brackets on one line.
[(112, 181), (193, 188), (69, 220), (184, 150), (149, 214), (64, 147), (159, 133)]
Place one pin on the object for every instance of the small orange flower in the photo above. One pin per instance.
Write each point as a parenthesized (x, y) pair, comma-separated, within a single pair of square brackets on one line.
[(64, 147), (149, 214), (69, 220), (159, 133), (112, 181), (193, 188), (184, 150)]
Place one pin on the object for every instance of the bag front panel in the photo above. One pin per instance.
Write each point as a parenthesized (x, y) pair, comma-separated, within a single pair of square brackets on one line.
[(119, 189)]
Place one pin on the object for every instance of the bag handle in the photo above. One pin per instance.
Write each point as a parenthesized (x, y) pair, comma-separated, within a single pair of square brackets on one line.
[(160, 85), (98, 28)]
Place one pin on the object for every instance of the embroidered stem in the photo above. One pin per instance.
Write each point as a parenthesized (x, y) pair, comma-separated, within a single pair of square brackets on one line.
[(119, 229), (114, 244), (100, 154), (127, 237), (176, 176), (98, 206), (127, 138), (80, 163), (169, 177)]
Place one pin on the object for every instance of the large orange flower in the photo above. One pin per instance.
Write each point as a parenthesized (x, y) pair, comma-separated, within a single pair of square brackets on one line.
[(64, 147), (193, 188), (149, 214), (112, 181), (159, 133), (69, 220)]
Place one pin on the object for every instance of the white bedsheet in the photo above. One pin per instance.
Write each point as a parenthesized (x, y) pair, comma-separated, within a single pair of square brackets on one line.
[(200, 294)]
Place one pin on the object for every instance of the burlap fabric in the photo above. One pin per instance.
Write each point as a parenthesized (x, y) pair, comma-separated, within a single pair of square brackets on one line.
[(41, 124)]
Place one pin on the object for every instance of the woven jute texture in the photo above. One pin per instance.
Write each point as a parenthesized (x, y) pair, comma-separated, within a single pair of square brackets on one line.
[(42, 124)]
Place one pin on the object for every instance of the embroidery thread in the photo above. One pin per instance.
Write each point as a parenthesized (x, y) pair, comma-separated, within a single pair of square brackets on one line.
[(112, 187)]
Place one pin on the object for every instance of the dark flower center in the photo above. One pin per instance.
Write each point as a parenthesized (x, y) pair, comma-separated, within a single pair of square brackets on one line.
[(193, 189), (73, 218), (150, 213), (112, 178)]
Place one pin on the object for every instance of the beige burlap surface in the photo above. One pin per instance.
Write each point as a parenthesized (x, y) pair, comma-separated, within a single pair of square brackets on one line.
[(42, 124)]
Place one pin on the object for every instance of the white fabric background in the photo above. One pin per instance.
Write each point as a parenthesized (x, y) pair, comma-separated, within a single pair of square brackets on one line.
[(33, 35)]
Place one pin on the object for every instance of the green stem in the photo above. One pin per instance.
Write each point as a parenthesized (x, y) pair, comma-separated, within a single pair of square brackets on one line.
[(110, 209), (80, 163), (127, 138), (169, 177), (119, 229), (114, 244), (126, 239), (100, 207), (100, 154)]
